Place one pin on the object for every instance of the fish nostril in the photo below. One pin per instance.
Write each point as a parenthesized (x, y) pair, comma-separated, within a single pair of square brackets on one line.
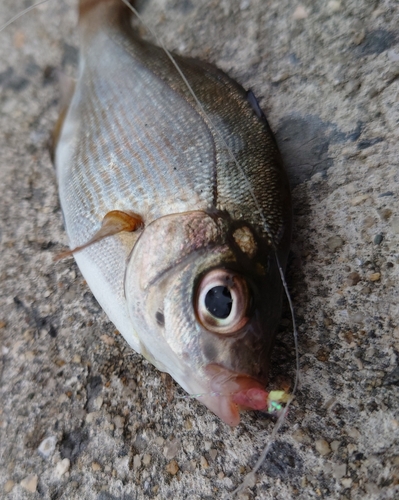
[(160, 317)]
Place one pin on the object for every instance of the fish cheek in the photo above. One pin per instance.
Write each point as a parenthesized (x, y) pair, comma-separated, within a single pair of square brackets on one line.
[(244, 352), (210, 351)]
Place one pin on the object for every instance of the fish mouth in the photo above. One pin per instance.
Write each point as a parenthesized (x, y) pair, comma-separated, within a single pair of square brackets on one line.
[(232, 392)]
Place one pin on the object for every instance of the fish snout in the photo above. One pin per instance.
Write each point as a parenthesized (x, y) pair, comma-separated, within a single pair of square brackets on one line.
[(232, 392)]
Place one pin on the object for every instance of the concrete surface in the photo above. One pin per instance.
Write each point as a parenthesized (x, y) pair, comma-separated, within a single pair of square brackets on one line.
[(327, 75)]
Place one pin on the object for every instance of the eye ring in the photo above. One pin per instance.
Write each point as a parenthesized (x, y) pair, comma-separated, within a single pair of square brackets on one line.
[(222, 301)]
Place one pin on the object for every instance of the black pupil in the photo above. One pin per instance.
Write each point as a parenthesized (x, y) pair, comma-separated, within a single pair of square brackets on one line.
[(219, 302)]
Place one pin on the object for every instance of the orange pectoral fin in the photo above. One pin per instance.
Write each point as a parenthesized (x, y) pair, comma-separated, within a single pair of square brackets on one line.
[(114, 222)]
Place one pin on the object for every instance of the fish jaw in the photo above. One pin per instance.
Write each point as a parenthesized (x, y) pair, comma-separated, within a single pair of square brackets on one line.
[(231, 392)]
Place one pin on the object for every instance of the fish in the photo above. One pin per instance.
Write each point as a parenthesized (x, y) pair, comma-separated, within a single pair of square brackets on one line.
[(177, 209)]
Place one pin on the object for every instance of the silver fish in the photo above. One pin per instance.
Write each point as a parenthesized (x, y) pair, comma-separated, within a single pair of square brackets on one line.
[(188, 271)]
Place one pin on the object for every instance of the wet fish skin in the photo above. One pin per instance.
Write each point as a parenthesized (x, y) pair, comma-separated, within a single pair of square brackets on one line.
[(134, 140)]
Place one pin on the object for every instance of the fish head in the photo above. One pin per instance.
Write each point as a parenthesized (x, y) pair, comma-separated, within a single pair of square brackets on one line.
[(204, 297)]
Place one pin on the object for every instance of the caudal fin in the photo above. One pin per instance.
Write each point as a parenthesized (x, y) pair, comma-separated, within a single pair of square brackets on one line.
[(108, 9)]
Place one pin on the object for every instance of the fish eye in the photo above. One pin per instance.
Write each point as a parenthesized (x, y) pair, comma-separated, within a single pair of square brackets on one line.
[(222, 301), (219, 302)]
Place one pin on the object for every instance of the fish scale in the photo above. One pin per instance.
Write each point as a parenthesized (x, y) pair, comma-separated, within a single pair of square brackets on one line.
[(208, 184), (137, 187)]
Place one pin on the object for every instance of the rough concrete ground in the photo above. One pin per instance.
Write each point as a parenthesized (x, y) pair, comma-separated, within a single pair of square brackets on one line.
[(327, 76)]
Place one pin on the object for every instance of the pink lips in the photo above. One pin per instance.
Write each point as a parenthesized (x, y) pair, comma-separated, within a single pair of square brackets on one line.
[(254, 398), (232, 392)]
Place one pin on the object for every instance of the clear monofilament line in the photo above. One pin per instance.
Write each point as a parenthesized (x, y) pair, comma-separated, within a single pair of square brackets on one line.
[(22, 13), (294, 327), (249, 478), (198, 103), (212, 394)]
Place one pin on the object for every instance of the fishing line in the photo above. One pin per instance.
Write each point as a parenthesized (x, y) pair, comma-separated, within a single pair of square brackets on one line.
[(22, 13), (198, 103), (251, 476)]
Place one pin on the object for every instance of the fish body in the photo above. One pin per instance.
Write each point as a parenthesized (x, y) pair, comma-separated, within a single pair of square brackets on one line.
[(197, 290)]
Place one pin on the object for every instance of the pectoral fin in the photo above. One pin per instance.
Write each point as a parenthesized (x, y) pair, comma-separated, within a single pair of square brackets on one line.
[(113, 223)]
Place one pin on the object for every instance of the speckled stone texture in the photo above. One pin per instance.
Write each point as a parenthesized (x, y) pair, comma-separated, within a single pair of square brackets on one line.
[(327, 76)]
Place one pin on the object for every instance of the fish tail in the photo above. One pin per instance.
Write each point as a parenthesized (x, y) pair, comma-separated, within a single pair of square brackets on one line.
[(93, 14), (87, 6)]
